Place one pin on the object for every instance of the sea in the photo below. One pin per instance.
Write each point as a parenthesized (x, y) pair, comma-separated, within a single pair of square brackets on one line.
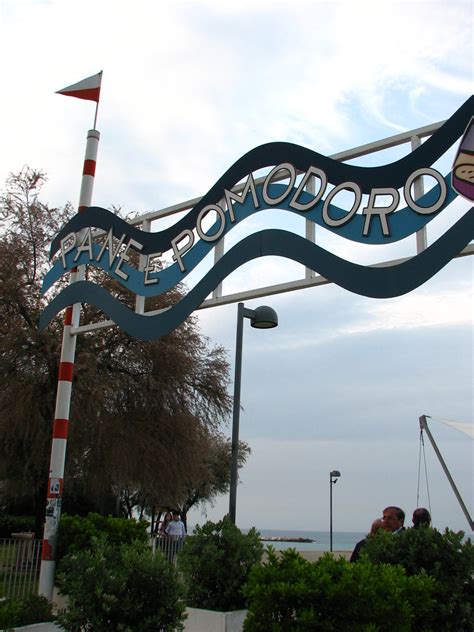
[(341, 540)]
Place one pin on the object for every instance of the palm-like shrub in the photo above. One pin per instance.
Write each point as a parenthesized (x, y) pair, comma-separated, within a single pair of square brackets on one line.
[(215, 562), (290, 594), (123, 588), (445, 557)]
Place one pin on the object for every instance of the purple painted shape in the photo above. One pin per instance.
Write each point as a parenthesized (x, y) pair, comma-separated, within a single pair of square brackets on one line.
[(464, 188), (463, 167)]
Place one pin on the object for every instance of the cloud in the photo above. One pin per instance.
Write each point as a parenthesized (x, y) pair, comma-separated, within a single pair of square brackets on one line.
[(426, 309), (285, 484), (188, 88)]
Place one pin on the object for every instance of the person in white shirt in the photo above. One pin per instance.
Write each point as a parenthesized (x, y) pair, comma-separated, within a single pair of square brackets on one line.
[(175, 528)]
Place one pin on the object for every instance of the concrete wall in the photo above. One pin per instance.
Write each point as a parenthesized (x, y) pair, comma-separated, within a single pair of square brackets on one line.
[(209, 621), (39, 627)]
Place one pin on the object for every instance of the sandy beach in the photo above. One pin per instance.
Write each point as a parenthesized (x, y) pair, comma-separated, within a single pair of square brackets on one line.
[(313, 556)]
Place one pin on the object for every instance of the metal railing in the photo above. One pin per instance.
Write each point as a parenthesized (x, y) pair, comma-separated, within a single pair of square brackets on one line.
[(20, 559), (169, 546)]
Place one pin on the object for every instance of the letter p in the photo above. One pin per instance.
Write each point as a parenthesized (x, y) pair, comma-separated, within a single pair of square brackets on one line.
[(65, 247)]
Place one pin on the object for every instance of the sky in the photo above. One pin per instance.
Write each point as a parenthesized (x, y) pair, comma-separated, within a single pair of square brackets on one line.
[(188, 88)]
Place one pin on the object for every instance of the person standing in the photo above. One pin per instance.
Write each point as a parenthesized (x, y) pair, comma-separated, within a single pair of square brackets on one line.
[(421, 518), (376, 526), (176, 531), (393, 519), (176, 527), (164, 524)]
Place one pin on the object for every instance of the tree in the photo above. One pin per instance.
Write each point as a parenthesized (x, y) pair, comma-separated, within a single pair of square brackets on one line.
[(208, 480), (142, 413), (213, 477), (28, 359)]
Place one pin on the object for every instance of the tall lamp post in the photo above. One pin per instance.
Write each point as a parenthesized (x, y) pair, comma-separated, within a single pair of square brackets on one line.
[(261, 318), (333, 476)]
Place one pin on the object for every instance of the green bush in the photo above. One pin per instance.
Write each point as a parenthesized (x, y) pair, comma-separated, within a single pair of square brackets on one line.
[(442, 556), (122, 588), (76, 532), (215, 562), (18, 612), (16, 524), (290, 594)]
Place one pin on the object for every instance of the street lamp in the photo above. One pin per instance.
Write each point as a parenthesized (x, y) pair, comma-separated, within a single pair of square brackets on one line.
[(261, 318), (333, 476)]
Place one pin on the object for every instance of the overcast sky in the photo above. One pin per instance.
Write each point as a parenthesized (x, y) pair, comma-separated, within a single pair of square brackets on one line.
[(188, 88)]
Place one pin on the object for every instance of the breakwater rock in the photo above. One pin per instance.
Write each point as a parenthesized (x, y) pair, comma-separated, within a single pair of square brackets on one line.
[(280, 538)]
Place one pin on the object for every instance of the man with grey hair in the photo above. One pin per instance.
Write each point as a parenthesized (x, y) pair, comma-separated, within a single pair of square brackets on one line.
[(377, 525)]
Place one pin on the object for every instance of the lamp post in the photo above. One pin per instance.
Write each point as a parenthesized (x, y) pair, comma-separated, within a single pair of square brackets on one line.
[(333, 476), (261, 318)]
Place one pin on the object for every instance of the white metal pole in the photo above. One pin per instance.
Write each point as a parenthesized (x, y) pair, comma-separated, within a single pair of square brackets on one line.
[(421, 235), (63, 396), (424, 426)]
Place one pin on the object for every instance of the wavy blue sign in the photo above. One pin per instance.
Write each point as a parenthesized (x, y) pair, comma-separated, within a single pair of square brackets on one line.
[(379, 221), (404, 223)]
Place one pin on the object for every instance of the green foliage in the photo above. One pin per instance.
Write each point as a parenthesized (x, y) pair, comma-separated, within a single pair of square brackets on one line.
[(18, 612), (215, 562), (77, 532), (290, 594), (442, 556), (15, 524), (212, 477), (122, 588)]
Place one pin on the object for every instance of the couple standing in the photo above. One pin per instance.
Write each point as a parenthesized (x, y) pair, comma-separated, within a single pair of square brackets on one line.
[(172, 526)]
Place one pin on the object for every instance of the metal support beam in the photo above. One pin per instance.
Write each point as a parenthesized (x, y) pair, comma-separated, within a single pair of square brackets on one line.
[(424, 426)]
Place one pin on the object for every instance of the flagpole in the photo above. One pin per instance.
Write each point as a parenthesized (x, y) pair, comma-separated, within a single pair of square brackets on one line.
[(97, 102), (95, 117), (63, 393)]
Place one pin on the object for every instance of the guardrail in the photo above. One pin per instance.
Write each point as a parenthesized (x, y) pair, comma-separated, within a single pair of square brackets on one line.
[(20, 558), (169, 546)]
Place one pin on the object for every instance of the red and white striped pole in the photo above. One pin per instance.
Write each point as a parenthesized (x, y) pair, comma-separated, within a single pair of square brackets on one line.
[(63, 396)]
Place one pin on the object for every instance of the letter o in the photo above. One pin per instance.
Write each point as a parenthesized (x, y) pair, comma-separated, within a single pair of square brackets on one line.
[(202, 214), (291, 170), (358, 196), (425, 210)]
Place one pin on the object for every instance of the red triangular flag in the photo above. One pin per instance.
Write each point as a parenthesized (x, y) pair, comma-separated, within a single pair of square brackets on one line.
[(86, 89)]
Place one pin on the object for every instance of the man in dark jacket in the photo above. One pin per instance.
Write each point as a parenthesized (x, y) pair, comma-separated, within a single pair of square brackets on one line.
[(421, 518), (393, 519)]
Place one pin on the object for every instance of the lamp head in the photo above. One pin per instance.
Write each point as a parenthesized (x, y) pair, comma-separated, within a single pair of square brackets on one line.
[(264, 318), (335, 474)]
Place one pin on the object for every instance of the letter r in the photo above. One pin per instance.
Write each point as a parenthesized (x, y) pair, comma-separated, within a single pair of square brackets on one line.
[(381, 211)]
